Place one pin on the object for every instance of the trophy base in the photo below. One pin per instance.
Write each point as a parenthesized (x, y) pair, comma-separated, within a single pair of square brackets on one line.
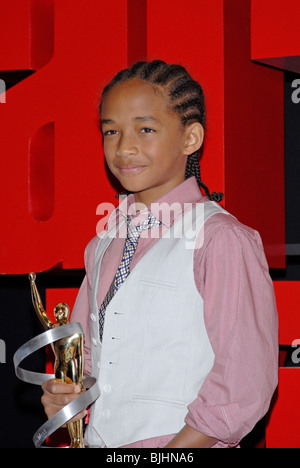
[(62, 446), (61, 439)]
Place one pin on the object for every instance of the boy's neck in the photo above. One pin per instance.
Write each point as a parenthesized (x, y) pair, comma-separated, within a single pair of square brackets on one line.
[(146, 197)]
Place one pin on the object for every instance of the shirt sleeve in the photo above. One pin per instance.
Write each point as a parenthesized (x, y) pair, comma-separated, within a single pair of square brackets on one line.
[(232, 276)]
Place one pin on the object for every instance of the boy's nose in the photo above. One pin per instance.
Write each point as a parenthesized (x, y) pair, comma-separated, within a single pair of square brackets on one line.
[(126, 147)]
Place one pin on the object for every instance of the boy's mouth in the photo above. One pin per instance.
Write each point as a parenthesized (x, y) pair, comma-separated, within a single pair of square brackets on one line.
[(130, 170)]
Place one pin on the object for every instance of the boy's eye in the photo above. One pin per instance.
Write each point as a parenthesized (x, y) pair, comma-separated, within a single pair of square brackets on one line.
[(147, 130), (110, 132)]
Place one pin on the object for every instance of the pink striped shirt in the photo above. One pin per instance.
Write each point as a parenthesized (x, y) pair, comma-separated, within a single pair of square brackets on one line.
[(232, 276)]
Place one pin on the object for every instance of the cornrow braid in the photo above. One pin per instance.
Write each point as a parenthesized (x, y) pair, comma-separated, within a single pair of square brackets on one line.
[(193, 168), (185, 96)]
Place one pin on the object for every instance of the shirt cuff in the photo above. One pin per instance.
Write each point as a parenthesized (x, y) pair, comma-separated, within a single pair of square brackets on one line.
[(219, 417)]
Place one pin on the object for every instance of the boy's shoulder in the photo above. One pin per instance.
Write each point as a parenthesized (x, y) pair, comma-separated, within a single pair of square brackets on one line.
[(226, 224)]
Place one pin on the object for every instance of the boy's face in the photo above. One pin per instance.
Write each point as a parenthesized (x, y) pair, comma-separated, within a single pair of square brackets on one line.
[(143, 141)]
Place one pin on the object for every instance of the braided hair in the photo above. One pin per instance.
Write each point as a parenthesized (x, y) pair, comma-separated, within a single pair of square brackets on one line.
[(185, 97)]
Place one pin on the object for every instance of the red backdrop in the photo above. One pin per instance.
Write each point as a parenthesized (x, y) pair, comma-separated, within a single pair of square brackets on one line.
[(53, 175)]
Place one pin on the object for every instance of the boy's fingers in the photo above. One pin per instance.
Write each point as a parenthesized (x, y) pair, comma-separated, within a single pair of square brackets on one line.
[(51, 401), (57, 387), (57, 395)]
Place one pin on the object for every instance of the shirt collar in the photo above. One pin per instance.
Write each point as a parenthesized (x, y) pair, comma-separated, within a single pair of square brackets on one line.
[(167, 208)]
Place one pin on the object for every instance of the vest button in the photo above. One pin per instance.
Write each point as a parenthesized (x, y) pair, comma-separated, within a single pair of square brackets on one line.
[(107, 388), (94, 341), (93, 318), (106, 413)]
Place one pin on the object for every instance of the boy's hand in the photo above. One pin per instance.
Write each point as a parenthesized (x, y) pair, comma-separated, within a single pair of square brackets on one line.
[(59, 394)]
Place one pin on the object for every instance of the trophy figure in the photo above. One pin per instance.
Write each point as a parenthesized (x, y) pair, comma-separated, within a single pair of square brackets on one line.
[(68, 352)]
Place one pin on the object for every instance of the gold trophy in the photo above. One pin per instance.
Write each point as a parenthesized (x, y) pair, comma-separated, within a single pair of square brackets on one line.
[(68, 352)]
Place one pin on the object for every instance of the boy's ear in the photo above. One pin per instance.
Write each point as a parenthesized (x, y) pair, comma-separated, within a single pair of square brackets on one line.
[(194, 135)]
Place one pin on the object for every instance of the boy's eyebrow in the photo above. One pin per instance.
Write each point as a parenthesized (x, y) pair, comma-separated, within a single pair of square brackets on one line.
[(142, 118), (107, 121)]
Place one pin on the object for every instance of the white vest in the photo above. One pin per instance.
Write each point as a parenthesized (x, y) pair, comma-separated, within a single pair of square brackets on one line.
[(155, 352)]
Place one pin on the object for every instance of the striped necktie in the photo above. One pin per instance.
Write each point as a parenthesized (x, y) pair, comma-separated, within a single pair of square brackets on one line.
[(133, 234)]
